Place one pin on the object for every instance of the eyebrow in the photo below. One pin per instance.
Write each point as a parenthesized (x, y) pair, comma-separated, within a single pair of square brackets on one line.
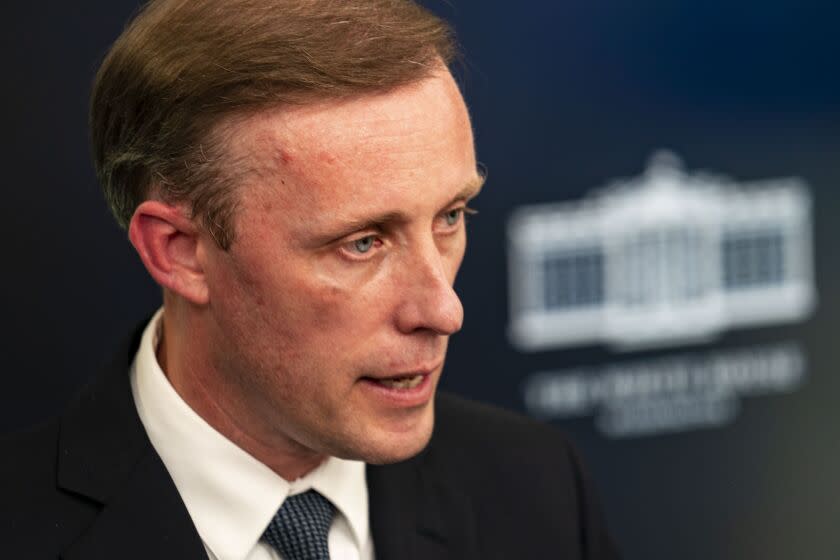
[(379, 221), (472, 188)]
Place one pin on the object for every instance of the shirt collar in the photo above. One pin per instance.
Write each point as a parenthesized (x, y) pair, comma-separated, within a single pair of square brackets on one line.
[(230, 496)]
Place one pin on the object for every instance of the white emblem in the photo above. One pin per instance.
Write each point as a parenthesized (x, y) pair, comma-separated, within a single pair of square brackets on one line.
[(665, 258)]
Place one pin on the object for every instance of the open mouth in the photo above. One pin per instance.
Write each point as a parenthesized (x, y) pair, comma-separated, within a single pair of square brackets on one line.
[(400, 382), (406, 382)]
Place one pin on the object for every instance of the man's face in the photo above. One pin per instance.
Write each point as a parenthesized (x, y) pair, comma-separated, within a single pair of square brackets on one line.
[(332, 310)]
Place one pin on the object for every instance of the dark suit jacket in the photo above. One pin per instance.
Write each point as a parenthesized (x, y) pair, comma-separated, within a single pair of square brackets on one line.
[(89, 485)]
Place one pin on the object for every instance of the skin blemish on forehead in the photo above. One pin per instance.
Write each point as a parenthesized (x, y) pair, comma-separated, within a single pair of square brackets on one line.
[(255, 144), (327, 157), (284, 156)]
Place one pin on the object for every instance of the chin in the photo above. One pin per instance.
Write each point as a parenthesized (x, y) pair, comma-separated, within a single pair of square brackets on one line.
[(391, 444)]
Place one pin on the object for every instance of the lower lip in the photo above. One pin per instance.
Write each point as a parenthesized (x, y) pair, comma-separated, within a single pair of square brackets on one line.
[(415, 396)]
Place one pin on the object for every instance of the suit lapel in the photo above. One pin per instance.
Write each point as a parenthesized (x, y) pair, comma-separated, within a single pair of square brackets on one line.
[(417, 514), (106, 457), (145, 519)]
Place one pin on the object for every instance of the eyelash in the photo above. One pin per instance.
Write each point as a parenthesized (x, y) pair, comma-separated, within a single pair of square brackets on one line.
[(463, 212)]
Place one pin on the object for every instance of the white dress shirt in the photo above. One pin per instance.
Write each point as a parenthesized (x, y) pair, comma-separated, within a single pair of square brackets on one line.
[(231, 496)]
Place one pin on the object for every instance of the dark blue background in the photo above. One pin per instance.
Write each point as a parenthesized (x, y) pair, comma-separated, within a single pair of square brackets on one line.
[(564, 96)]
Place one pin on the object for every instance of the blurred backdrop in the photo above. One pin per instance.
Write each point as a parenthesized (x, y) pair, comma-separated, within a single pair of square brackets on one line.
[(651, 269)]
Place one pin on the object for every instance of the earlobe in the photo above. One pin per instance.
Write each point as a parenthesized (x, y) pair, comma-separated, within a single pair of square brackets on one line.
[(167, 240)]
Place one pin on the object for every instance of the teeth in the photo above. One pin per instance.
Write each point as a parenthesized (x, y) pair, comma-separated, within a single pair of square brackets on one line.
[(402, 382)]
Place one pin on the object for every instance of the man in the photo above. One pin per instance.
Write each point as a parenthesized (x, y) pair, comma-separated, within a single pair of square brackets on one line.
[(295, 175)]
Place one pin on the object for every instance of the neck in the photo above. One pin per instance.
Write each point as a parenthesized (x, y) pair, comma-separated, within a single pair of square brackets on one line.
[(221, 402)]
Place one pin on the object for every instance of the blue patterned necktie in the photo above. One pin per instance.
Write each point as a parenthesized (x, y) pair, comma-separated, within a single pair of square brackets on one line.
[(300, 527)]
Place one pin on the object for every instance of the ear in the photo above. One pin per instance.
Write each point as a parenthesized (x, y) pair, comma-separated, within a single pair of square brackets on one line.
[(167, 241)]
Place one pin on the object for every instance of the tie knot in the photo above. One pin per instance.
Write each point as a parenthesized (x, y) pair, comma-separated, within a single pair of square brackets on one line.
[(299, 529)]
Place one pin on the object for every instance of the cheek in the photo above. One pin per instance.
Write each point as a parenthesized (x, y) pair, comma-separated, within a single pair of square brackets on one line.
[(348, 292), (256, 317), (315, 311)]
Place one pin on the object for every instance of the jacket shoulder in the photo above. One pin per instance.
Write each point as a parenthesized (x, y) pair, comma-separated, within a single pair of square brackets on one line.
[(32, 457), (523, 477), (485, 429), (38, 518)]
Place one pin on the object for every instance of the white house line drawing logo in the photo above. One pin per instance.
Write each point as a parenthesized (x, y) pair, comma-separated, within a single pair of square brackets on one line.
[(664, 258)]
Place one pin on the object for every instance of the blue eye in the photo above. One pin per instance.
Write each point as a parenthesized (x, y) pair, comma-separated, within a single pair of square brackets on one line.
[(364, 244), (453, 216)]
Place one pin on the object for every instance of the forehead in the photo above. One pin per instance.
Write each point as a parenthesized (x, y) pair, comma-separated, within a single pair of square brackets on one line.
[(395, 134)]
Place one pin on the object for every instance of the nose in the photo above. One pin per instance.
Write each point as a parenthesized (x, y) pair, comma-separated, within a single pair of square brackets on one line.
[(428, 301)]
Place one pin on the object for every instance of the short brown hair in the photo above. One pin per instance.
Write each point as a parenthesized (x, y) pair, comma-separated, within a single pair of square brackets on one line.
[(181, 66)]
